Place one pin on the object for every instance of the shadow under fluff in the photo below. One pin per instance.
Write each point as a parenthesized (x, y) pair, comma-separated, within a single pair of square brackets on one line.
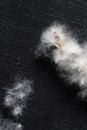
[(55, 74)]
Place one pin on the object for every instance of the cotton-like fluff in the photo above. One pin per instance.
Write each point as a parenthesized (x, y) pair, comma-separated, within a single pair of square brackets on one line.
[(16, 97), (6, 124), (63, 49)]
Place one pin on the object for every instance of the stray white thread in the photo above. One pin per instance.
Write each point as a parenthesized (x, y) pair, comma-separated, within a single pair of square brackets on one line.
[(17, 96), (6, 124)]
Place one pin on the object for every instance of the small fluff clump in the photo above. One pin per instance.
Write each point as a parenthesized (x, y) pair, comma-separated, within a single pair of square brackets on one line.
[(63, 49), (6, 124), (16, 97)]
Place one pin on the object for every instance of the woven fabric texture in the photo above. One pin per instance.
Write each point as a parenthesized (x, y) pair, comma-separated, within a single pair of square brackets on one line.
[(53, 105)]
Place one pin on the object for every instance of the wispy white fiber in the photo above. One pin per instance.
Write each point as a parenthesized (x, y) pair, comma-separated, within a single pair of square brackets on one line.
[(6, 124), (63, 49), (16, 97)]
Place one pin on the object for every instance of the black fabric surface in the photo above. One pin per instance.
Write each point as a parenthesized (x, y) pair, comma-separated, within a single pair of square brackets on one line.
[(53, 105)]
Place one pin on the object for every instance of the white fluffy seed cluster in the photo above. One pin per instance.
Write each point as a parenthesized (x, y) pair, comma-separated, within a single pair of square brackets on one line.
[(9, 125), (16, 97), (63, 49)]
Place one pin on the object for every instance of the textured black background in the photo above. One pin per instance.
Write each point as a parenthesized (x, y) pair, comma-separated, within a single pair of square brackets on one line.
[(52, 106)]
